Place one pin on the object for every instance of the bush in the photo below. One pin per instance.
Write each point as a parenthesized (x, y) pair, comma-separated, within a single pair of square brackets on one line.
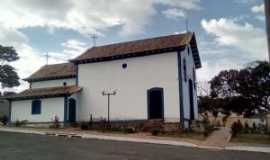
[(129, 130), (4, 120), (247, 129), (155, 131), (84, 126), (90, 123), (254, 128), (208, 130), (116, 129), (207, 127), (20, 123), (236, 128)]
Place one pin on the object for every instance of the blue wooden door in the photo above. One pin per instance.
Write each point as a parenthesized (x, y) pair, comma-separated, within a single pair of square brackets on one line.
[(72, 110)]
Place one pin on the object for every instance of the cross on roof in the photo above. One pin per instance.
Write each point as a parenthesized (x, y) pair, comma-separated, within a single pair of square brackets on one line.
[(94, 37), (47, 56)]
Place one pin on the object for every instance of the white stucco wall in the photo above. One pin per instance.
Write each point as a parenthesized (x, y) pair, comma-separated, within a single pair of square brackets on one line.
[(186, 100), (132, 83), (53, 83), (50, 107)]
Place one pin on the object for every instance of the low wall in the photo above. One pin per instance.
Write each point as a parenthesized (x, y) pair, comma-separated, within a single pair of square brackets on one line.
[(264, 120)]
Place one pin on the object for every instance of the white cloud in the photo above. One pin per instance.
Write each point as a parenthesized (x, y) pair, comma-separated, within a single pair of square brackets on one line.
[(216, 58), (174, 13), (245, 1), (71, 49), (258, 9), (249, 39), (85, 16), (184, 4), (29, 57), (211, 69), (231, 45), (74, 47)]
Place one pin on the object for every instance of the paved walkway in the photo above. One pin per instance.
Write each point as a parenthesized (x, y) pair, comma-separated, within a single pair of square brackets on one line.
[(210, 143), (219, 138)]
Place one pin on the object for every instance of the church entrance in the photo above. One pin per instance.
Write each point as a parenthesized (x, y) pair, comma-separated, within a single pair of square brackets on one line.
[(72, 110), (155, 103)]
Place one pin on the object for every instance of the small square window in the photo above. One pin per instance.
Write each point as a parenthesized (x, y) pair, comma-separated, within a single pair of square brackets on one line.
[(36, 107)]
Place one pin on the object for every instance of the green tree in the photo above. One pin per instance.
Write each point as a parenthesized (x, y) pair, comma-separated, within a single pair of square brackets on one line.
[(8, 75), (254, 84), (246, 91), (224, 84)]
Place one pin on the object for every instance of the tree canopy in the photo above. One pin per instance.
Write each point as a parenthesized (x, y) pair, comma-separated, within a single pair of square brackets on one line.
[(8, 75), (245, 91)]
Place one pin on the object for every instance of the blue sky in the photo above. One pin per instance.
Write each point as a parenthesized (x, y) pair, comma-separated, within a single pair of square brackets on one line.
[(230, 33)]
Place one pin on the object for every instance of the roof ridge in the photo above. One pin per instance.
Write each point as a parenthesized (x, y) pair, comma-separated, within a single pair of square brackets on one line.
[(135, 48), (144, 39), (69, 86), (58, 91), (57, 64), (59, 70)]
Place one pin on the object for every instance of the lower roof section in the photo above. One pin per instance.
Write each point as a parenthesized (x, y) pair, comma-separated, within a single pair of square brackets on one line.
[(49, 92)]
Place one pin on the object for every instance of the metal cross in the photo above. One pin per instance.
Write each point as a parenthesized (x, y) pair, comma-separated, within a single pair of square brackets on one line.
[(94, 37), (47, 58), (187, 25)]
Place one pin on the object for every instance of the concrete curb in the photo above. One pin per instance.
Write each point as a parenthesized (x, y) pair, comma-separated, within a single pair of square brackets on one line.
[(21, 131), (138, 140), (248, 148)]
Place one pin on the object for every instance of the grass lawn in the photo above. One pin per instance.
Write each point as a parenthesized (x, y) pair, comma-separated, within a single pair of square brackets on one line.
[(252, 139)]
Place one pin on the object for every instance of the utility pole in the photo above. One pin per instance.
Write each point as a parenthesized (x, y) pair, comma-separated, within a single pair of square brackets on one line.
[(94, 38), (108, 94), (267, 18)]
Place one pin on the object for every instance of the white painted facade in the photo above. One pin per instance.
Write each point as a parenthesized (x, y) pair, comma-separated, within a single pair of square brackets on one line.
[(50, 107), (131, 84), (53, 83)]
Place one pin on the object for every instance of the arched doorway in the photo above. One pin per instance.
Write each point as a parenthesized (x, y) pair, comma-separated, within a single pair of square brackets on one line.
[(71, 110), (155, 103), (191, 99)]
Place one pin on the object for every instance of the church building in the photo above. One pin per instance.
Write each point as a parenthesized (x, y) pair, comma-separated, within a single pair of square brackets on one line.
[(145, 79)]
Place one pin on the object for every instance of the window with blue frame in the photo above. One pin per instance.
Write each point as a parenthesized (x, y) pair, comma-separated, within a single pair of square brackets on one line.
[(36, 107)]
